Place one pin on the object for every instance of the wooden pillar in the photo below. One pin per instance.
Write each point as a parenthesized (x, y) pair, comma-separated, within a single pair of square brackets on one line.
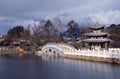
[(106, 45), (100, 44), (92, 46), (86, 45)]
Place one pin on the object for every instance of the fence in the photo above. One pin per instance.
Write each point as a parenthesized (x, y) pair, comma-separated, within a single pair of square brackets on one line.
[(68, 49), (109, 53)]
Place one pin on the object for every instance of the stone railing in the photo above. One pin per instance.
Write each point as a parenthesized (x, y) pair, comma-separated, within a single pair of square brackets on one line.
[(58, 45), (70, 50), (67, 45), (110, 53), (3, 49), (54, 45)]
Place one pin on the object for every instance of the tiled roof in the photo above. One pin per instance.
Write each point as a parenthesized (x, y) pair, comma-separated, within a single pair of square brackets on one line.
[(97, 40), (96, 34)]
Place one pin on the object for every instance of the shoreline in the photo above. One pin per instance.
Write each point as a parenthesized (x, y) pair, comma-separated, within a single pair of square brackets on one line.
[(99, 56), (77, 57), (16, 53), (91, 58)]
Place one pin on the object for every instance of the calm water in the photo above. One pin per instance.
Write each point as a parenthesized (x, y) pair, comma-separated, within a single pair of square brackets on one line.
[(54, 68)]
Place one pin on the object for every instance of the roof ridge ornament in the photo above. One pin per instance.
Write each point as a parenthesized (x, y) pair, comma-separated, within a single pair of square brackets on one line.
[(97, 24)]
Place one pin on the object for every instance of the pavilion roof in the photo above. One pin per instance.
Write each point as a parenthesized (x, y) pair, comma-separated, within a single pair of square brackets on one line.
[(97, 40), (96, 34), (96, 27)]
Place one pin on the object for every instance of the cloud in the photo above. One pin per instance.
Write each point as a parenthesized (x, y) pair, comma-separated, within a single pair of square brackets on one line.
[(9, 22), (24, 12), (80, 12), (105, 17)]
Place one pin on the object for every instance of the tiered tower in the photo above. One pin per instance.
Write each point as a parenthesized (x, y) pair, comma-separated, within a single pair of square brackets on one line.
[(97, 39)]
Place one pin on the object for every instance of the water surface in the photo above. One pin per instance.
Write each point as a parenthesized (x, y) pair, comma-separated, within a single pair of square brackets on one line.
[(56, 68)]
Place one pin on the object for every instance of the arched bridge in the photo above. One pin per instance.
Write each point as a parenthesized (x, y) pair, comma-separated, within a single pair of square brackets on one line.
[(55, 49)]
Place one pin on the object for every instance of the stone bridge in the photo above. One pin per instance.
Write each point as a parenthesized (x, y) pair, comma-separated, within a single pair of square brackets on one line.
[(55, 49)]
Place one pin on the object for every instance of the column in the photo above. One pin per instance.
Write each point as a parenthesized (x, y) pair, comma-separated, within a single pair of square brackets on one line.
[(92, 46), (100, 44), (86, 45), (106, 45)]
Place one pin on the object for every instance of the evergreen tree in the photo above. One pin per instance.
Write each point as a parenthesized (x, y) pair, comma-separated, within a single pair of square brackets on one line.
[(114, 30), (18, 32), (72, 26)]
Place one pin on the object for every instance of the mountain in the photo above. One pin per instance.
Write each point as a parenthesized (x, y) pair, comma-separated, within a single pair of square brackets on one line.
[(68, 35)]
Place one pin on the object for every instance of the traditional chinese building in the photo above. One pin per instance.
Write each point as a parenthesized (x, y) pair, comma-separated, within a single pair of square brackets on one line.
[(97, 38)]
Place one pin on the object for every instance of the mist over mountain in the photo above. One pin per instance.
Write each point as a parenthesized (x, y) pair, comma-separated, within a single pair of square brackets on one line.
[(84, 12)]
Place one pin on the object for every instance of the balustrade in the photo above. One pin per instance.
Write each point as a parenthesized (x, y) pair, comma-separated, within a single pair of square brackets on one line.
[(67, 49)]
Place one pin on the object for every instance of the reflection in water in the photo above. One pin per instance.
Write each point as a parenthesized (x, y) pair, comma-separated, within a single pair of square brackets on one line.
[(21, 55), (56, 68)]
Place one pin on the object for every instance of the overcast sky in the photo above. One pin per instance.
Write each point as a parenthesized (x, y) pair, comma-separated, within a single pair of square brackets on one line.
[(25, 12)]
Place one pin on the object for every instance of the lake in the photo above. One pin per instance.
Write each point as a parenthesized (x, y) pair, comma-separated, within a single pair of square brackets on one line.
[(56, 68)]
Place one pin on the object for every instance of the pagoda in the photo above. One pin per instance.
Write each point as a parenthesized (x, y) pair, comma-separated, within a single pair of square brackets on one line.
[(97, 39)]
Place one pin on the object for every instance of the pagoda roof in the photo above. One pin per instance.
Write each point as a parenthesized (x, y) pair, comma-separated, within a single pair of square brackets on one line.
[(96, 27), (96, 34), (94, 40)]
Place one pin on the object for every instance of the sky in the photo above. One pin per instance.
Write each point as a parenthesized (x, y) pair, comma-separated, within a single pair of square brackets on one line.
[(30, 12)]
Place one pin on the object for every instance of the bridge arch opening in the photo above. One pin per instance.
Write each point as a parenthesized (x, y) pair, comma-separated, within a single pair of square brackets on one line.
[(56, 49), (54, 52), (50, 50)]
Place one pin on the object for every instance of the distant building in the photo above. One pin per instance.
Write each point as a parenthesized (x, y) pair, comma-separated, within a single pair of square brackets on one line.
[(97, 38), (20, 42), (3, 41)]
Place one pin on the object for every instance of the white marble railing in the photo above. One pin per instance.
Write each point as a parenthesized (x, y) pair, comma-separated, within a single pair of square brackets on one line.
[(51, 45), (110, 53), (66, 45), (58, 46), (67, 49)]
